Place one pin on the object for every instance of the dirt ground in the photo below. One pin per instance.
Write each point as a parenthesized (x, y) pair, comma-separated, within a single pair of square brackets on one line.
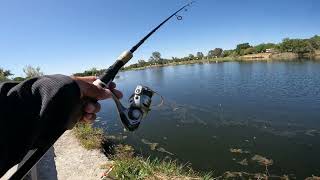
[(71, 161), (67, 160)]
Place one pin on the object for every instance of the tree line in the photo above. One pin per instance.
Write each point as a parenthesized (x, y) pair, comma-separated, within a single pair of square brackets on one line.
[(29, 72), (299, 46)]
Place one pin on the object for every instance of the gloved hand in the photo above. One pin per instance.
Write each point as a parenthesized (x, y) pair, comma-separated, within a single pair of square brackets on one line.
[(88, 90)]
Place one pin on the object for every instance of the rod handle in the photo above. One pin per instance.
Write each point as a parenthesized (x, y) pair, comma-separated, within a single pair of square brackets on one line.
[(113, 70)]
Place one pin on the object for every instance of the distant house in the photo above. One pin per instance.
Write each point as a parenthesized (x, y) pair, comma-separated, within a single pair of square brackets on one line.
[(269, 50)]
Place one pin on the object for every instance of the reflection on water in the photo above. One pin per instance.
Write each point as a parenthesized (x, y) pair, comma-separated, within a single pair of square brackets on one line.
[(248, 117)]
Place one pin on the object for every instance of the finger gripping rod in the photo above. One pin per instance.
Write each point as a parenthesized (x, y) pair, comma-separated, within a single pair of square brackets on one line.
[(112, 71)]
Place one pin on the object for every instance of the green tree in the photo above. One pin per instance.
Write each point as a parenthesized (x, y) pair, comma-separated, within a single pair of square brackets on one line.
[(32, 71), (262, 47), (217, 52), (200, 55), (90, 72), (241, 47), (142, 62), (155, 57), (249, 50), (191, 56), (315, 42), (175, 59), (296, 45), (18, 79), (230, 52), (4, 74)]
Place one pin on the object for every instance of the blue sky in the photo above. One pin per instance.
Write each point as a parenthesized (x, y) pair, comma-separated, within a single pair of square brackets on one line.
[(68, 36)]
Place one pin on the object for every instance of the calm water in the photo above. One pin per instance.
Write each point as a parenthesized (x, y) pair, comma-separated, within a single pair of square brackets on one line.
[(267, 108)]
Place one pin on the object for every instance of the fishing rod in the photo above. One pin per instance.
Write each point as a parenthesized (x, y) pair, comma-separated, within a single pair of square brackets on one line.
[(140, 101)]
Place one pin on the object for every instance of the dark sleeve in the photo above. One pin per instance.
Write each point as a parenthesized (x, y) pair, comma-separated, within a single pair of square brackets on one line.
[(33, 110)]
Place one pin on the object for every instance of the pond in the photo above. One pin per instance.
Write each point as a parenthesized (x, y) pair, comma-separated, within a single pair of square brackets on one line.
[(221, 116)]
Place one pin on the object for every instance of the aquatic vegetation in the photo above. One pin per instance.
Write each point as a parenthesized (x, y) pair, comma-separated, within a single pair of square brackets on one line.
[(165, 138), (161, 149), (312, 132), (280, 132), (153, 146), (198, 120), (239, 151), (229, 174), (313, 178), (246, 175), (184, 113), (262, 160), (244, 162), (116, 138)]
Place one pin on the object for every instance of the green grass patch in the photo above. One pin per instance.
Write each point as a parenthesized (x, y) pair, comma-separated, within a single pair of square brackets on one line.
[(128, 166), (89, 137), (140, 168)]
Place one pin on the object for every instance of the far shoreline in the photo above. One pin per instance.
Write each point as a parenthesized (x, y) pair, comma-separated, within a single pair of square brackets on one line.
[(259, 57)]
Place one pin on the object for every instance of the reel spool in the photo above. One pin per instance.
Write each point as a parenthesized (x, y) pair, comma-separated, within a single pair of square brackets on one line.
[(140, 105)]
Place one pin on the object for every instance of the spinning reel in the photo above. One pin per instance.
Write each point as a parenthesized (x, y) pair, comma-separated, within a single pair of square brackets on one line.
[(140, 104)]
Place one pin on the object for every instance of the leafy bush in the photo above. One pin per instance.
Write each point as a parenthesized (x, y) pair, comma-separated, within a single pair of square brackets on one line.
[(296, 46), (241, 47), (217, 52), (250, 50), (262, 47), (4, 74)]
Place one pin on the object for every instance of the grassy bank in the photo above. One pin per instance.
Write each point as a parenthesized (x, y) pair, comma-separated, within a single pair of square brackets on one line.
[(128, 165)]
